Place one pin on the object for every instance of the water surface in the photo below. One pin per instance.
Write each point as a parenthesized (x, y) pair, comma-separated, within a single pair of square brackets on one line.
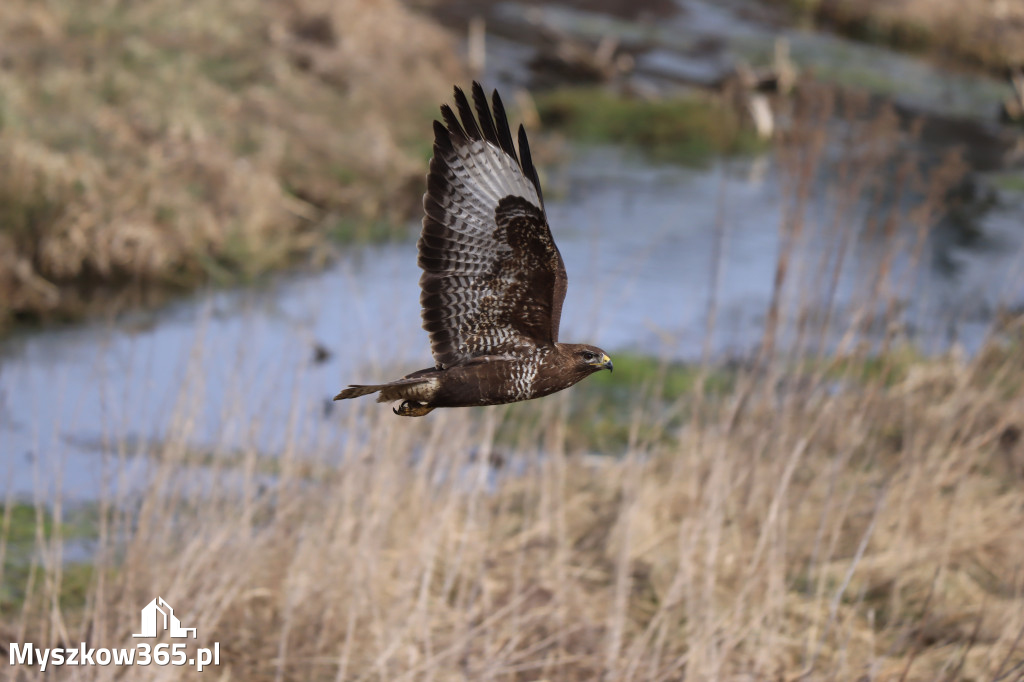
[(232, 369)]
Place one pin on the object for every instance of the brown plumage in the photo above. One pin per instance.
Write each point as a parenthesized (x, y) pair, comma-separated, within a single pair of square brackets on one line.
[(493, 280)]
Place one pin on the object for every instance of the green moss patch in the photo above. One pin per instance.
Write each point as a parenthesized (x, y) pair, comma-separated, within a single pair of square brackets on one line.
[(1009, 182), (22, 528), (687, 130)]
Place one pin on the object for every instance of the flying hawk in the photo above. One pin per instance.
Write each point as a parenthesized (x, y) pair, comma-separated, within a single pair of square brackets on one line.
[(493, 281)]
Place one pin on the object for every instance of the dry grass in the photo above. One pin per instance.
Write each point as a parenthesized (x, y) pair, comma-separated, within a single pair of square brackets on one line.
[(989, 33), (873, 533), (166, 142), (824, 523)]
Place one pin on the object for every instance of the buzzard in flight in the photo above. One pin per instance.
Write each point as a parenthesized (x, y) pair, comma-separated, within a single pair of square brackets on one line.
[(493, 281)]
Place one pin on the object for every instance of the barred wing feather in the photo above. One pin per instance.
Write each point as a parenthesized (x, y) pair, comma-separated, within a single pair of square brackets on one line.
[(493, 280)]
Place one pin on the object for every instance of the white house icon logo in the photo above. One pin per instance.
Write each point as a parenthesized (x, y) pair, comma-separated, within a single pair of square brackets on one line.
[(151, 620)]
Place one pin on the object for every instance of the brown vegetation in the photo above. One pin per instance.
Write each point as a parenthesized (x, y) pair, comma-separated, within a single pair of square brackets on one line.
[(873, 533), (168, 142), (989, 33)]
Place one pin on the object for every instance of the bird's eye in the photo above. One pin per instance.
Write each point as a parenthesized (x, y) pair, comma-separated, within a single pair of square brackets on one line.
[(587, 355)]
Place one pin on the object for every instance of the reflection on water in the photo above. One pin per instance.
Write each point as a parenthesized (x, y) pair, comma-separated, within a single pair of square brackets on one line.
[(238, 368)]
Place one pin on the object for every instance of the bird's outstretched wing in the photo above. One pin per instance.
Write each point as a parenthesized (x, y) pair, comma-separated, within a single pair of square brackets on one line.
[(492, 275)]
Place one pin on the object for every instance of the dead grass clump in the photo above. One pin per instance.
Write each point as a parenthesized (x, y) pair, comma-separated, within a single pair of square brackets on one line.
[(167, 143)]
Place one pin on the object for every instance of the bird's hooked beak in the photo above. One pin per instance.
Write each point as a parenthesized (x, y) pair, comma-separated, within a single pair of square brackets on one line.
[(604, 362)]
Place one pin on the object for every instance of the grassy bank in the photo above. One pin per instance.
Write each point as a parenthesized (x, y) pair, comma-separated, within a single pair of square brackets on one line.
[(168, 143), (986, 34)]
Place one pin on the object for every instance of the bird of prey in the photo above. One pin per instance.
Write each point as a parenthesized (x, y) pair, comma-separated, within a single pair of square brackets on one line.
[(493, 280)]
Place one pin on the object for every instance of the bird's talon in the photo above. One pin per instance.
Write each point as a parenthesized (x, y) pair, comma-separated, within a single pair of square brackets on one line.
[(411, 408)]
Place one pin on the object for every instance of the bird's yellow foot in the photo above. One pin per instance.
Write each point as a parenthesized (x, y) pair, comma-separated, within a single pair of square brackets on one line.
[(411, 408)]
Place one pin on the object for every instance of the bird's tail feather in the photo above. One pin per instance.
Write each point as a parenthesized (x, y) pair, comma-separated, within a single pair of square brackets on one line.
[(355, 390), (389, 391)]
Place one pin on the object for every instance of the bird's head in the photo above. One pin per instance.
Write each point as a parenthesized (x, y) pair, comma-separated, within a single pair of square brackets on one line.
[(588, 359)]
